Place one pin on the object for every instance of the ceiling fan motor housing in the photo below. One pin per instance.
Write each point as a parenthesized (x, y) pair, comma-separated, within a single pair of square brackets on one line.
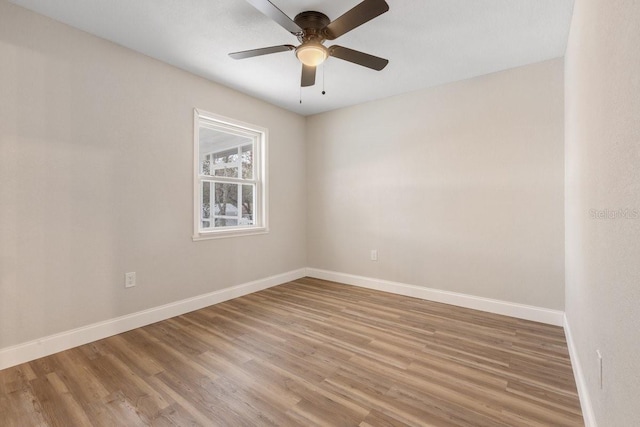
[(313, 23)]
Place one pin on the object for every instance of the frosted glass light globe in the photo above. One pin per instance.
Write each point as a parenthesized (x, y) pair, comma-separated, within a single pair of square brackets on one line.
[(311, 53)]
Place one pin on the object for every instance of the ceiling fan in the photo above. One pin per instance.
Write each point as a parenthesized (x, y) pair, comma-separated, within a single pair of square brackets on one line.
[(312, 29)]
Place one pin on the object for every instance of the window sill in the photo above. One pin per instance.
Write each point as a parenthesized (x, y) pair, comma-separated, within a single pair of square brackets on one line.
[(222, 234)]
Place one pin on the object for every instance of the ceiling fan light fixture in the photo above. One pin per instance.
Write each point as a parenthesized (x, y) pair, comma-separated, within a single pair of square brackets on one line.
[(312, 54)]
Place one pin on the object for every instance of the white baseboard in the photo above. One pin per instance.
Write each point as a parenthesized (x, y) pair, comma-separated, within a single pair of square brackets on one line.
[(581, 383), (521, 311), (51, 344)]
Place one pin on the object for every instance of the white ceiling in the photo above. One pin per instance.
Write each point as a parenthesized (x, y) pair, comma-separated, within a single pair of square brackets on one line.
[(427, 42)]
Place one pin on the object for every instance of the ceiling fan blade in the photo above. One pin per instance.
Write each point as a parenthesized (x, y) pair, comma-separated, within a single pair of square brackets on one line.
[(263, 51), (308, 76), (272, 11), (357, 57), (362, 13)]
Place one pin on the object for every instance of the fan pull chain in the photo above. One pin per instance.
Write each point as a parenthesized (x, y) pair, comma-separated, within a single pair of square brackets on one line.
[(300, 94)]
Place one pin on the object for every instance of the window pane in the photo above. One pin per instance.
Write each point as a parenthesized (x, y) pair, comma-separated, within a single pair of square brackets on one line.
[(225, 163), (248, 202), (226, 204), (205, 165), (226, 222), (206, 202), (247, 162)]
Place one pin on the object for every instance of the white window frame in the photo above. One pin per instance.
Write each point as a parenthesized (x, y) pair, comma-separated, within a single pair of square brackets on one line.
[(260, 211)]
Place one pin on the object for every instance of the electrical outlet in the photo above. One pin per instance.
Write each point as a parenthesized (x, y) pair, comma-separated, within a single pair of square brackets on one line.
[(374, 254), (130, 279), (599, 368)]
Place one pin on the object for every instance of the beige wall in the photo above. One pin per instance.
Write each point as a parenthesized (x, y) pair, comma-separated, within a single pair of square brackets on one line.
[(459, 187), (96, 180), (603, 173)]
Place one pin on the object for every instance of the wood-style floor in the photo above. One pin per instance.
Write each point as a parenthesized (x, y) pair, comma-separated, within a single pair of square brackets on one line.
[(306, 353)]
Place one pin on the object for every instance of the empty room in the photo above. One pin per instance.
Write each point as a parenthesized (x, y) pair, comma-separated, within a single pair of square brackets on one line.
[(319, 213)]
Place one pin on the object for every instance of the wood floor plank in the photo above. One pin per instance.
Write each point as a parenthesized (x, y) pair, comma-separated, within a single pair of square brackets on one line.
[(21, 408), (306, 353)]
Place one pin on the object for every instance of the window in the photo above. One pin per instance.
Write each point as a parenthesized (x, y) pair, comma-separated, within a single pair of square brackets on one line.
[(230, 177)]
